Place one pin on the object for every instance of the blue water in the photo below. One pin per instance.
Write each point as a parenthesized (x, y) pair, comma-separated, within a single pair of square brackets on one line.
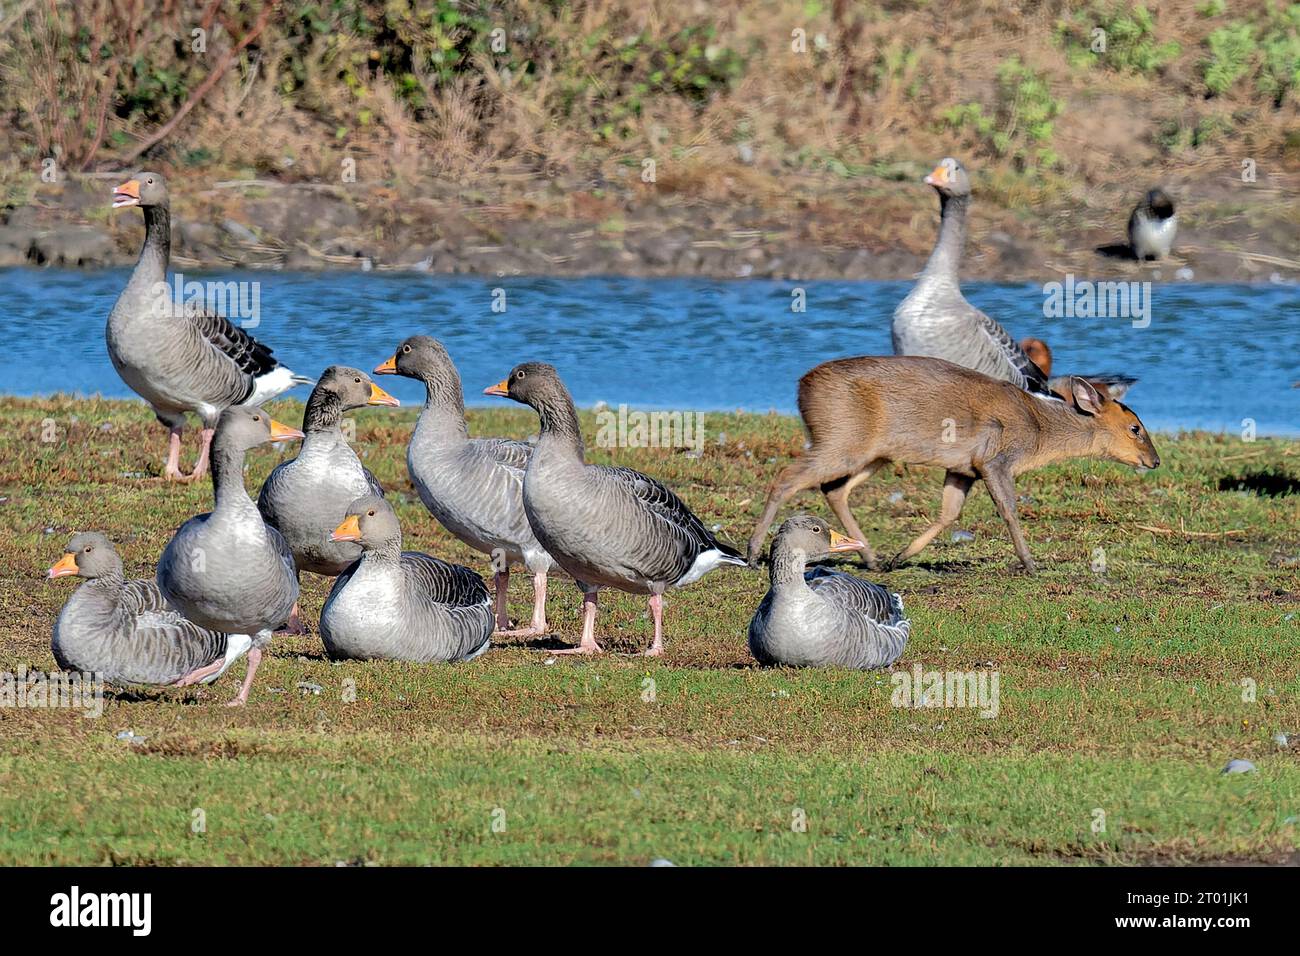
[(1212, 355)]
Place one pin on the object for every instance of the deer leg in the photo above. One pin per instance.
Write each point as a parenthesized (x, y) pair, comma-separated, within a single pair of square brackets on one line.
[(955, 489), (799, 475), (838, 498), (1002, 489)]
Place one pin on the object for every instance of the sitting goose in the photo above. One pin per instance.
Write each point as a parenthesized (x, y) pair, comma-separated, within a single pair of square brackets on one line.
[(1152, 226), (607, 527), (936, 320), (401, 605), (819, 617), (229, 570), (125, 630), (305, 498), (473, 486), (182, 359)]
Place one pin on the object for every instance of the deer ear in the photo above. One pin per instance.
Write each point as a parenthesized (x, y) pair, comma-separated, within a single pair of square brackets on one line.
[(1086, 397)]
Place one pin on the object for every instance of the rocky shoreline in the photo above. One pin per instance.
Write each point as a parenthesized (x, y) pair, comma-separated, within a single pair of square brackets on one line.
[(592, 231)]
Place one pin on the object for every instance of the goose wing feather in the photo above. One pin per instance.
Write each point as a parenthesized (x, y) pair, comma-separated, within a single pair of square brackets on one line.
[(440, 582), (852, 592)]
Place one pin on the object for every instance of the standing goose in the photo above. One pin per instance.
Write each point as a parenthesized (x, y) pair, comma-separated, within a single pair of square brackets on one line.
[(182, 359), (126, 631), (229, 570), (305, 498), (1152, 226), (819, 617), (607, 527), (401, 605), (473, 486), (936, 320)]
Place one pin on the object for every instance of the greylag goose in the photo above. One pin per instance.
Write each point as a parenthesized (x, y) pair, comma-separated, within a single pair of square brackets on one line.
[(401, 605), (604, 526), (229, 570), (473, 486), (936, 320), (305, 498), (1152, 226), (182, 359), (1116, 386), (820, 617), (125, 630)]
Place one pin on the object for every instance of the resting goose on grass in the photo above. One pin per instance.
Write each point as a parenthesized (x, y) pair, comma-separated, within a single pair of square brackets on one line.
[(229, 570), (401, 605), (473, 486), (126, 631), (604, 526), (819, 617), (186, 359)]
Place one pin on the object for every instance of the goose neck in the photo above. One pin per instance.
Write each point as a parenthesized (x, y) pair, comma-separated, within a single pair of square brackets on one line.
[(787, 567), (946, 257)]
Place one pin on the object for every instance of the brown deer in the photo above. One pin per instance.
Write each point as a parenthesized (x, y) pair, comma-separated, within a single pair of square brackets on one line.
[(862, 413)]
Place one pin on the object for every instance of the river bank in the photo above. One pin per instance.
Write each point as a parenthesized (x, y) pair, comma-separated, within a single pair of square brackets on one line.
[(821, 227)]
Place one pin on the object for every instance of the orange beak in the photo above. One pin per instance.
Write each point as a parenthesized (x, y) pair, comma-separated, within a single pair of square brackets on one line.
[(501, 388), (939, 177), (282, 432), (388, 368), (349, 530), (127, 194), (841, 542), (379, 397), (64, 566)]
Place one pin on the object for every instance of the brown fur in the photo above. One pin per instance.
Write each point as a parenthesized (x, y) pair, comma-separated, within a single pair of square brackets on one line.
[(864, 412)]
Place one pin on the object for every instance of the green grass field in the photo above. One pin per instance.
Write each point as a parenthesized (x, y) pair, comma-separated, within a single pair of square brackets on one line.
[(1121, 692)]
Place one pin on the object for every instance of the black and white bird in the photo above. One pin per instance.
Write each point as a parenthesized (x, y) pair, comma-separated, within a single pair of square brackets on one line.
[(179, 356), (1152, 226)]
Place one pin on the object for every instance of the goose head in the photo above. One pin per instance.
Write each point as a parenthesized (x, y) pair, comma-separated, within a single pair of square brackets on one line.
[(142, 189), (351, 387), (813, 536), (424, 359), (242, 427), (531, 383), (949, 178), (370, 522), (87, 555)]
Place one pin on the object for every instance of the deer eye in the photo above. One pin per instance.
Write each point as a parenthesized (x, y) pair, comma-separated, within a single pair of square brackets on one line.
[(1135, 429)]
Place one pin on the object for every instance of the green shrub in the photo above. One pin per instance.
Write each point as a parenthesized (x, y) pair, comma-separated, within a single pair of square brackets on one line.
[(1023, 122)]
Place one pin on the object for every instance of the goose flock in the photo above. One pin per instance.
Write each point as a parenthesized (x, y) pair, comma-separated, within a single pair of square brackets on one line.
[(228, 580)]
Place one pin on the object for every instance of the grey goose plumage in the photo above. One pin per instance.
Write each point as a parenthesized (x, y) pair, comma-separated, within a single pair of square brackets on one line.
[(823, 618), (187, 359), (604, 526), (472, 486), (401, 605), (1152, 226), (229, 570), (126, 631), (936, 320), (305, 498)]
